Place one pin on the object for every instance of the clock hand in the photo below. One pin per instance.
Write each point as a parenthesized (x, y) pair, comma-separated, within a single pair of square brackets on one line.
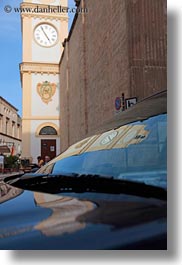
[(45, 34)]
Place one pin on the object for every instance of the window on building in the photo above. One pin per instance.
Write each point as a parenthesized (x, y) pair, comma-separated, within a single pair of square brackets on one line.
[(1, 123), (48, 130), (13, 128), (7, 126), (18, 131)]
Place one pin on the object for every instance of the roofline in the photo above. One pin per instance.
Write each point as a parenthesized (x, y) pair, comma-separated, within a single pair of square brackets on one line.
[(3, 99), (154, 95)]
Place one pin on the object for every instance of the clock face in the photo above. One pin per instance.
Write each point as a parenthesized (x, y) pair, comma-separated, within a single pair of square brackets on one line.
[(46, 35)]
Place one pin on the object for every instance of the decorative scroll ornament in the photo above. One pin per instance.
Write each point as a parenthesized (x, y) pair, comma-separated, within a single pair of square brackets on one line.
[(46, 91)]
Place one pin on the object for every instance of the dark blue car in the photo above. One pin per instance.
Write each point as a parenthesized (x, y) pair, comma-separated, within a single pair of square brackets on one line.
[(108, 191)]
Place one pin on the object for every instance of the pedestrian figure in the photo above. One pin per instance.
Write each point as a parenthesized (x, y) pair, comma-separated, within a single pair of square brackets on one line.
[(47, 159), (40, 161)]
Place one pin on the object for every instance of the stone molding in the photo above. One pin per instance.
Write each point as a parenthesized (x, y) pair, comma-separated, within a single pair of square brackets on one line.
[(42, 15), (39, 68)]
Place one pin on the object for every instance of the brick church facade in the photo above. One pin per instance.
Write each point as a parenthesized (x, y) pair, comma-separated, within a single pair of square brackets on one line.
[(117, 49)]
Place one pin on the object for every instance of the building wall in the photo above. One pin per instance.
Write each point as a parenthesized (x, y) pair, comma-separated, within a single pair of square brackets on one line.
[(10, 126), (76, 87), (118, 47), (64, 99), (147, 43), (106, 59)]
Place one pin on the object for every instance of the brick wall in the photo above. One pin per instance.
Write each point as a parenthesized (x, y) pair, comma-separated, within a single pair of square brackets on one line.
[(117, 47), (147, 43)]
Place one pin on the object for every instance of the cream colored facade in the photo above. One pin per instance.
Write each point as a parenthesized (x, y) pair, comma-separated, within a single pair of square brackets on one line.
[(40, 74), (10, 127)]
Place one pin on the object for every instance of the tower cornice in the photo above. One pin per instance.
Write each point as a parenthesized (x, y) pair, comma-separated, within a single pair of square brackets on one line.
[(42, 11), (39, 68)]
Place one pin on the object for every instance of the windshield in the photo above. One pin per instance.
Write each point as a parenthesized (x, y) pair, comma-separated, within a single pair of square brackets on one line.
[(135, 152)]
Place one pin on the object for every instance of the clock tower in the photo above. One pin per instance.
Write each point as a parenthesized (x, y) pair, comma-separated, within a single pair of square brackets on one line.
[(44, 28)]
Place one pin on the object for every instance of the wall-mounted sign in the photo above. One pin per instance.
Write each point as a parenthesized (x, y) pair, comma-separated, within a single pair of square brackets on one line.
[(118, 103), (52, 148), (129, 102)]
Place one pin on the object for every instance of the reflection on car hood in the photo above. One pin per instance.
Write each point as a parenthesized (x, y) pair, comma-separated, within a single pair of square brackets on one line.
[(50, 214), (33, 220), (122, 138), (155, 178), (8, 192), (64, 214)]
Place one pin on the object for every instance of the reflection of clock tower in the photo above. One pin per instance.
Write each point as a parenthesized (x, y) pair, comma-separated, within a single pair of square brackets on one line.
[(43, 32)]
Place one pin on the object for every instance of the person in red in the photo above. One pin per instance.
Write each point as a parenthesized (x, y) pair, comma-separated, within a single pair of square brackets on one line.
[(12, 150)]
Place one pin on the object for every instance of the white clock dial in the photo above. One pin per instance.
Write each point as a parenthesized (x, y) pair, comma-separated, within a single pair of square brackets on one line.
[(46, 35)]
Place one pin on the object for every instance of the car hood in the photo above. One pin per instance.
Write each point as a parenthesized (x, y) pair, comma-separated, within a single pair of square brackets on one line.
[(33, 220)]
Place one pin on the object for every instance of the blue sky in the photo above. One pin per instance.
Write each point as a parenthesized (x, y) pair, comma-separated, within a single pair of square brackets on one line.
[(11, 53)]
